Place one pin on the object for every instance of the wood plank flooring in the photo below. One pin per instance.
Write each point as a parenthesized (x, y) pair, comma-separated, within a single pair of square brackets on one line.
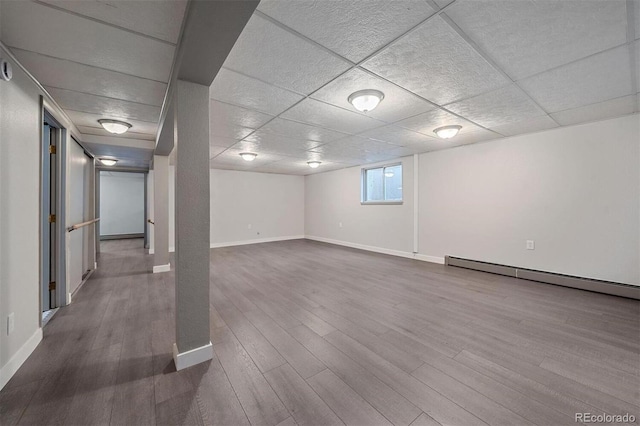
[(312, 334)]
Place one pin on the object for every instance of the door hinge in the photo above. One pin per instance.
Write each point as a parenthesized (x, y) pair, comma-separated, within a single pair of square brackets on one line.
[(52, 285), (52, 149), (52, 218)]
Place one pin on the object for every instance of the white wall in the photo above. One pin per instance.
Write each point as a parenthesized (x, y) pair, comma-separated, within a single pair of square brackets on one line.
[(272, 204), (121, 203), (575, 191), (334, 197)]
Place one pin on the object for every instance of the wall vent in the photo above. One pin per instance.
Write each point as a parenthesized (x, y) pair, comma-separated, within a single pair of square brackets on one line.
[(607, 287)]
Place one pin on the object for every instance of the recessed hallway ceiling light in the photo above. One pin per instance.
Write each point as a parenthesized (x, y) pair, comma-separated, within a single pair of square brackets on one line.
[(366, 100), (248, 156), (108, 161), (314, 164), (115, 126), (447, 132)]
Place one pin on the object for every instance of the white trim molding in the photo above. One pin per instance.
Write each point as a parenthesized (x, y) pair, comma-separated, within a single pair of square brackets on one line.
[(161, 268), (19, 358), (258, 241), (192, 357), (171, 250), (391, 252)]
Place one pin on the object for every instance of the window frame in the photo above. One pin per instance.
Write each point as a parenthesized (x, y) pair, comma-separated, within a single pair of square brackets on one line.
[(363, 185)]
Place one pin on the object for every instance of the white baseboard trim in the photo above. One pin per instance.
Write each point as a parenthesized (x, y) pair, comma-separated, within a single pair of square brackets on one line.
[(194, 356), (171, 250), (257, 241), (399, 253), (19, 358), (161, 268)]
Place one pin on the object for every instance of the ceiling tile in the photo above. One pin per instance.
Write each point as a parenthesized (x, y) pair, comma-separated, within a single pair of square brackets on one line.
[(585, 82), (528, 37), (600, 111), (270, 149), (637, 55), (265, 51), (476, 136), (369, 145), (106, 107), (293, 129), (231, 157), (91, 120), (354, 29), (325, 115), (99, 131), (220, 141), (37, 28), (234, 122), (299, 167), (264, 138), (215, 150), (396, 105), (503, 106), (434, 62), (443, 3), (544, 122), (402, 137), (63, 74), (159, 18), (232, 87), (237, 115), (127, 156), (426, 123)]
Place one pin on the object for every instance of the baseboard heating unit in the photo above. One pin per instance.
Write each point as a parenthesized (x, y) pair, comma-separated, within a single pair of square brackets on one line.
[(607, 287)]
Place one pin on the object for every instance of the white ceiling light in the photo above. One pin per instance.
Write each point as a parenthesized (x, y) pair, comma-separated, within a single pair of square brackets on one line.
[(108, 161), (248, 156), (388, 174), (366, 100), (314, 164), (115, 126), (447, 132)]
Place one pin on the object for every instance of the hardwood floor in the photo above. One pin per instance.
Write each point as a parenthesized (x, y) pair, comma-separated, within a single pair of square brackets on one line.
[(312, 334)]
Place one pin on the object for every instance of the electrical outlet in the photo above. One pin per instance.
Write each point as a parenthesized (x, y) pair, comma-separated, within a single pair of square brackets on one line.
[(249, 226), (531, 245), (10, 323), (340, 224)]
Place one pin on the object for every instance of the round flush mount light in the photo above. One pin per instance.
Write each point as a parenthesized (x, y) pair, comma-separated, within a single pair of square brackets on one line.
[(447, 132), (248, 156), (388, 174), (115, 126), (366, 100), (108, 161), (314, 164)]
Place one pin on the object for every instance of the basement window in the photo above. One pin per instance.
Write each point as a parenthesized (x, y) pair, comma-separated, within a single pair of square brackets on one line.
[(382, 185)]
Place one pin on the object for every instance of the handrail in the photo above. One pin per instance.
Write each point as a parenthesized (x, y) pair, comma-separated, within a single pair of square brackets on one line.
[(151, 222), (81, 225)]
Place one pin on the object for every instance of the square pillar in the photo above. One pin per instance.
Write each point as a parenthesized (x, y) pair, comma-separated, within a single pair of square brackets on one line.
[(193, 344)]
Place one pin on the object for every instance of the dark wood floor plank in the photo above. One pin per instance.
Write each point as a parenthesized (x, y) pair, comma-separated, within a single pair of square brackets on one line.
[(352, 409), (391, 404), (296, 355), (306, 407), (259, 401)]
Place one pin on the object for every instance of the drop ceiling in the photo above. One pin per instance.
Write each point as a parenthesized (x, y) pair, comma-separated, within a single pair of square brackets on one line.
[(496, 67)]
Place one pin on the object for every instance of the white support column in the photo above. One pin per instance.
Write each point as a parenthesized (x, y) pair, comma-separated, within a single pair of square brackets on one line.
[(193, 344)]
